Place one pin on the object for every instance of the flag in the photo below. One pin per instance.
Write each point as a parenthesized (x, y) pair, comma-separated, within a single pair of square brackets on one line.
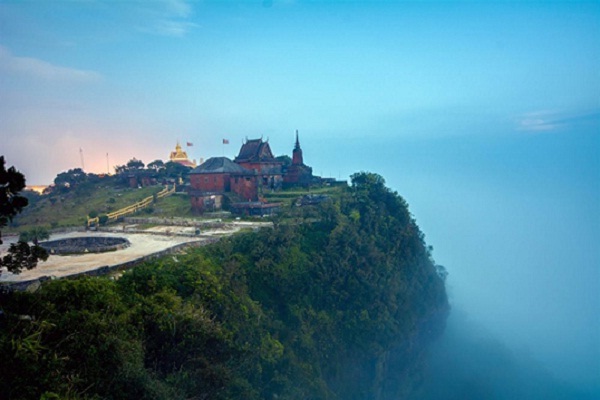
[(188, 144), (225, 141)]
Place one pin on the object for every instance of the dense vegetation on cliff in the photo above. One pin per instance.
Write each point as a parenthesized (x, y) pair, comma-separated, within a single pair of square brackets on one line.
[(334, 302)]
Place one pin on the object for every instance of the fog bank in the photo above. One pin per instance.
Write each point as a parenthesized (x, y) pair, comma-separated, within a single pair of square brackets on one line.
[(515, 219), (468, 362)]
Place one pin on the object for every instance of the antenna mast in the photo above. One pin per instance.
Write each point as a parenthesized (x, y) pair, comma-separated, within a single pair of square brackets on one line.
[(81, 156)]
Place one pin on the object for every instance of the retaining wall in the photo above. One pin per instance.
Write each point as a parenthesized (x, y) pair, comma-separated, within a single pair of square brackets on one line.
[(34, 284)]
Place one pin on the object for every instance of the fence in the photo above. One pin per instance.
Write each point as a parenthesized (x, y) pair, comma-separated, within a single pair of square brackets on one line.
[(132, 208)]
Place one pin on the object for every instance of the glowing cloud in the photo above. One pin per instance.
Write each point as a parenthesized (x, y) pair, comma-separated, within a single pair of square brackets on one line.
[(547, 121), (40, 69)]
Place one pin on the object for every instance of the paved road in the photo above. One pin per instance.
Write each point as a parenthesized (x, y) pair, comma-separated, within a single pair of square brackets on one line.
[(157, 239)]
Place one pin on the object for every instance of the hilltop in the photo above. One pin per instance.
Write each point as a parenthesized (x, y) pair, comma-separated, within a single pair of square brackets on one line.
[(338, 300), (254, 183), (71, 207)]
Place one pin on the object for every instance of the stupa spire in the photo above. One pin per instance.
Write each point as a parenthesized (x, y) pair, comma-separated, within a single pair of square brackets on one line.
[(297, 153)]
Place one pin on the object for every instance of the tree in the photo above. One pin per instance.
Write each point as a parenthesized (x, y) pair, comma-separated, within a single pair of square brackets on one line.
[(23, 256), (11, 203), (120, 169), (175, 170), (134, 164), (20, 255), (285, 160), (71, 178), (34, 235), (156, 165)]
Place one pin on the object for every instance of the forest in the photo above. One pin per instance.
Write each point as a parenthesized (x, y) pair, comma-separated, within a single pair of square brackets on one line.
[(337, 301)]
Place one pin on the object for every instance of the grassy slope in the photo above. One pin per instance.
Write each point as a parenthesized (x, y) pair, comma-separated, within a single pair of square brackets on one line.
[(177, 205), (289, 196), (71, 208)]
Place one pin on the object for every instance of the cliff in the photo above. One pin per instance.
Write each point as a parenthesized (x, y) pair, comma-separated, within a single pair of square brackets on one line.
[(337, 301)]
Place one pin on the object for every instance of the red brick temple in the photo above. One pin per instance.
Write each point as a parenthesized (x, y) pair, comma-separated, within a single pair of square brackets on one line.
[(254, 171)]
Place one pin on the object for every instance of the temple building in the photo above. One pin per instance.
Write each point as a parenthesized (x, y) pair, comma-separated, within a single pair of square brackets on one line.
[(297, 174), (243, 181), (219, 175), (180, 157), (256, 155)]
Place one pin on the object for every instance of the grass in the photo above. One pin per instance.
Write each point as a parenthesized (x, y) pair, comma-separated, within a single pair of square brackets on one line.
[(176, 205), (288, 196), (72, 208)]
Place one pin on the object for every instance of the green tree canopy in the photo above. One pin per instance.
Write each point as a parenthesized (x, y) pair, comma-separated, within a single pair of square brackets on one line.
[(336, 301), (71, 178), (175, 170), (156, 165), (11, 202), (20, 255), (134, 163), (34, 235), (285, 159)]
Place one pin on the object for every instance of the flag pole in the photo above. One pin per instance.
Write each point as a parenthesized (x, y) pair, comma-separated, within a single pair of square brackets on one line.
[(223, 143)]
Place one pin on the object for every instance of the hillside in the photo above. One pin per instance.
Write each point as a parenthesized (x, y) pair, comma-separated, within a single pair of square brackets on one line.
[(70, 207), (337, 301)]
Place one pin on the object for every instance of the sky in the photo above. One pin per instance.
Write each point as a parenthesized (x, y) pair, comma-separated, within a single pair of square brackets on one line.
[(485, 116)]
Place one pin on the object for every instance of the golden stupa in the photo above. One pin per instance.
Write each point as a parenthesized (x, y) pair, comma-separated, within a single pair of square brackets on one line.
[(180, 157)]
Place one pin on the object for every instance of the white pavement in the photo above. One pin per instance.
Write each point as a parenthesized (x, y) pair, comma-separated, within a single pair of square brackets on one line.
[(142, 244)]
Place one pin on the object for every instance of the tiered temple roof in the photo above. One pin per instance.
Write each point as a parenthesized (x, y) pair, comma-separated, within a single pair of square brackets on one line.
[(180, 157), (255, 150)]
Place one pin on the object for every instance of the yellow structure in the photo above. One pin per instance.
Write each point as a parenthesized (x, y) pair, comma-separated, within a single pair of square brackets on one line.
[(179, 156), (134, 207)]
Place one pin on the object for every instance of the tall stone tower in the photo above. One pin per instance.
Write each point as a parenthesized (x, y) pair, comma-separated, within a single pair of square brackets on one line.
[(297, 153), (297, 174)]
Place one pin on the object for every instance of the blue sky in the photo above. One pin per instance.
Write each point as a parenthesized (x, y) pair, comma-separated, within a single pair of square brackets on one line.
[(484, 116), (130, 78)]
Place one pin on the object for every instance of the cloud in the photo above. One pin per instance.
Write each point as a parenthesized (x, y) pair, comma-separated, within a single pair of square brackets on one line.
[(173, 28), (41, 69), (548, 120), (166, 17)]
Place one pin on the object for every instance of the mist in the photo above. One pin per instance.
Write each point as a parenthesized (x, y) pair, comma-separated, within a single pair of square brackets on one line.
[(484, 116), (469, 362), (515, 220)]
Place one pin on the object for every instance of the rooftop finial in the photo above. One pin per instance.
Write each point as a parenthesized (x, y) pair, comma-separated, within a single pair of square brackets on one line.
[(297, 146)]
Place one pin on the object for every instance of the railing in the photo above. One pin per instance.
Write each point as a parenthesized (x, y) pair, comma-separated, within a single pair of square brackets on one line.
[(134, 207)]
